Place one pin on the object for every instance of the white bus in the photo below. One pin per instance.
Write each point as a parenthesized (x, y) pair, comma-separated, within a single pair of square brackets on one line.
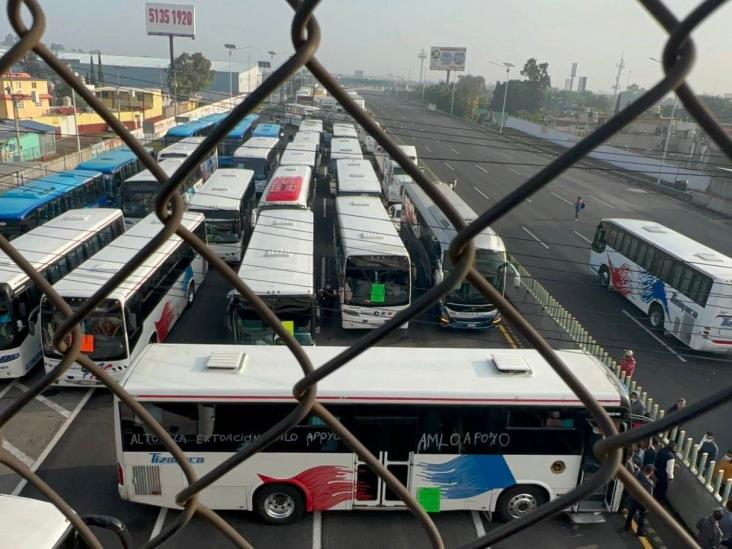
[(372, 264), (300, 153), (141, 310), (54, 248), (428, 235), (344, 130), (278, 267), (342, 147), (185, 147), (227, 200), (393, 174), (683, 286), (356, 177), (139, 191), (492, 430), (28, 523), (261, 155), (290, 187), (311, 125)]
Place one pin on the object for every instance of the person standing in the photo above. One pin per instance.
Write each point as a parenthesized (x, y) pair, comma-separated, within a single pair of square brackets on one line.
[(634, 506), (578, 207), (665, 464), (628, 363), (709, 533), (709, 447), (726, 524), (637, 408), (649, 457), (679, 405), (724, 465)]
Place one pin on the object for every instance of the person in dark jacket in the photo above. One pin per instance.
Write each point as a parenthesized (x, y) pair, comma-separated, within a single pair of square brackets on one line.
[(649, 456), (665, 463), (709, 447), (645, 477), (709, 533), (679, 405)]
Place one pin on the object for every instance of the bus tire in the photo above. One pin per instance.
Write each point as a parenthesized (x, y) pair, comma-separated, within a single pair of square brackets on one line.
[(153, 338), (656, 318), (191, 295), (519, 501), (279, 503), (604, 276)]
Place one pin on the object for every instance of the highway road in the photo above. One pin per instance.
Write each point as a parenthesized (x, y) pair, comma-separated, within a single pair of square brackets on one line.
[(543, 235)]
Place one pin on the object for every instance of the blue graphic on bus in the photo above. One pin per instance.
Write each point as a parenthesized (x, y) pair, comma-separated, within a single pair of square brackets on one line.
[(652, 289), (187, 276), (467, 476)]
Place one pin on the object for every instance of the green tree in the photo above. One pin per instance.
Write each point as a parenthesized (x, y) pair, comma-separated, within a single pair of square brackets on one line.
[(10, 40), (192, 74), (537, 73), (523, 95), (33, 65), (92, 73), (100, 78)]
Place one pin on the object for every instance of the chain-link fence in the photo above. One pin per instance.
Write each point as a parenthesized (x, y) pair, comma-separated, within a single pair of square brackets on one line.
[(678, 60)]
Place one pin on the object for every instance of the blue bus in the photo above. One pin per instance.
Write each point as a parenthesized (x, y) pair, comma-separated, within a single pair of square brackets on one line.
[(268, 130), (115, 166), (235, 139), (195, 128), (26, 207)]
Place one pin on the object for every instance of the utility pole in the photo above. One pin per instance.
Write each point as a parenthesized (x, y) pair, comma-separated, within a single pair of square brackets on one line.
[(230, 48), (76, 120), (452, 98), (118, 107), (173, 82), (422, 56), (505, 95), (11, 93), (620, 66)]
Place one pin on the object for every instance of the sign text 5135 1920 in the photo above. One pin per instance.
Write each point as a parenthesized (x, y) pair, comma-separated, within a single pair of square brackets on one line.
[(173, 19)]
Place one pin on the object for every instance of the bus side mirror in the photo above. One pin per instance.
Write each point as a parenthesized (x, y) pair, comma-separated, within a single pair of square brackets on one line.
[(32, 321)]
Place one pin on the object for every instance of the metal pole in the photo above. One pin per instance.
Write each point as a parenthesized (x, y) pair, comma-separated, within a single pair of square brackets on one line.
[(452, 99), (76, 125), (505, 94), (15, 116), (422, 57), (118, 107), (231, 85), (668, 135), (173, 83), (250, 72)]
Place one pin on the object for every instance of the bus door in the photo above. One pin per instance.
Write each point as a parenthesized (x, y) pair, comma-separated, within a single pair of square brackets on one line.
[(606, 497), (392, 440)]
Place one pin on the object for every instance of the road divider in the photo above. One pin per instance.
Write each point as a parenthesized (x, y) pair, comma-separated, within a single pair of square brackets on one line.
[(701, 486)]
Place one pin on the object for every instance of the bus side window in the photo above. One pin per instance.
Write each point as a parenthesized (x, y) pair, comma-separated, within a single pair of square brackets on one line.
[(133, 320), (598, 244)]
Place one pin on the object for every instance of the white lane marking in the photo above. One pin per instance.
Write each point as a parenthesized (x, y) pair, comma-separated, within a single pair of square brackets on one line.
[(481, 168), (428, 149), (18, 453), (317, 530), (478, 523), (634, 190), (456, 152), (532, 235), (561, 198), (159, 522), (47, 401), (602, 202), (448, 165), (529, 201), (325, 208), (654, 336), (510, 169), (481, 193), (322, 272), (54, 440), (583, 237), (7, 388)]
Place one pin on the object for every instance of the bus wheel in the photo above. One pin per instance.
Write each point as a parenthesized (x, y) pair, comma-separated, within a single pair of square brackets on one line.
[(656, 317), (191, 295), (519, 501), (153, 338), (604, 276), (279, 503)]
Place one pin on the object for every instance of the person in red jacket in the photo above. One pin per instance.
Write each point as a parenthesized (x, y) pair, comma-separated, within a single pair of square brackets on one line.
[(627, 364)]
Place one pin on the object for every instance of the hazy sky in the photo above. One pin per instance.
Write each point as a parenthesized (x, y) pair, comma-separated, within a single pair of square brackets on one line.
[(385, 36)]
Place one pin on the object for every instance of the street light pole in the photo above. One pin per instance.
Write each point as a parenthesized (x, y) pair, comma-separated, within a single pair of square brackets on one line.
[(505, 95), (11, 93), (668, 131), (452, 99), (76, 122), (231, 48)]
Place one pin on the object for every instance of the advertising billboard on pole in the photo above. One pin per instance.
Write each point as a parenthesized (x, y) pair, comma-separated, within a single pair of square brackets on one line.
[(447, 59), (170, 19)]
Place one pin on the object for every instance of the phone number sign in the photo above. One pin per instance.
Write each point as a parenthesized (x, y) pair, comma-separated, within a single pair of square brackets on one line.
[(175, 19)]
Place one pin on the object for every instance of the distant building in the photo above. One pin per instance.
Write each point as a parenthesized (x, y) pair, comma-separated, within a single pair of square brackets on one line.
[(358, 74), (567, 83), (582, 84), (37, 141), (31, 96)]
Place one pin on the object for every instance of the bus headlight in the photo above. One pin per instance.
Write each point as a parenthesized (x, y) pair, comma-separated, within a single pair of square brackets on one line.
[(444, 318)]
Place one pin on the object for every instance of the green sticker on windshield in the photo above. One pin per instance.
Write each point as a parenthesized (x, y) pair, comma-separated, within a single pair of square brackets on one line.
[(378, 293), (429, 499), (289, 325)]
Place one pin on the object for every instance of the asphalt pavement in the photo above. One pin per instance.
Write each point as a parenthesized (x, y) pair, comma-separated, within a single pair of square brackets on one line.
[(543, 235)]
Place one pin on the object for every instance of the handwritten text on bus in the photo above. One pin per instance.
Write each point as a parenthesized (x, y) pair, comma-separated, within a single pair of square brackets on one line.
[(438, 441)]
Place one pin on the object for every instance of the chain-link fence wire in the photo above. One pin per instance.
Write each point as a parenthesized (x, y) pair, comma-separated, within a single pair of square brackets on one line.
[(678, 60)]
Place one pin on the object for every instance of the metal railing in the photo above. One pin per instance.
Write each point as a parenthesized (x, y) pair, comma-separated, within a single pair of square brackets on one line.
[(305, 33)]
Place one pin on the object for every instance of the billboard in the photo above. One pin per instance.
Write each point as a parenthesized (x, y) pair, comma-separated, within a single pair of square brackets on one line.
[(175, 19), (447, 59)]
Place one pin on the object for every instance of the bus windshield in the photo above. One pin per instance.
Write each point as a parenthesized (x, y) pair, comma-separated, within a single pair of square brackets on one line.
[(377, 281), (257, 165), (103, 329), (223, 231), (251, 329), (11, 229), (489, 264), (138, 199), (7, 321)]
